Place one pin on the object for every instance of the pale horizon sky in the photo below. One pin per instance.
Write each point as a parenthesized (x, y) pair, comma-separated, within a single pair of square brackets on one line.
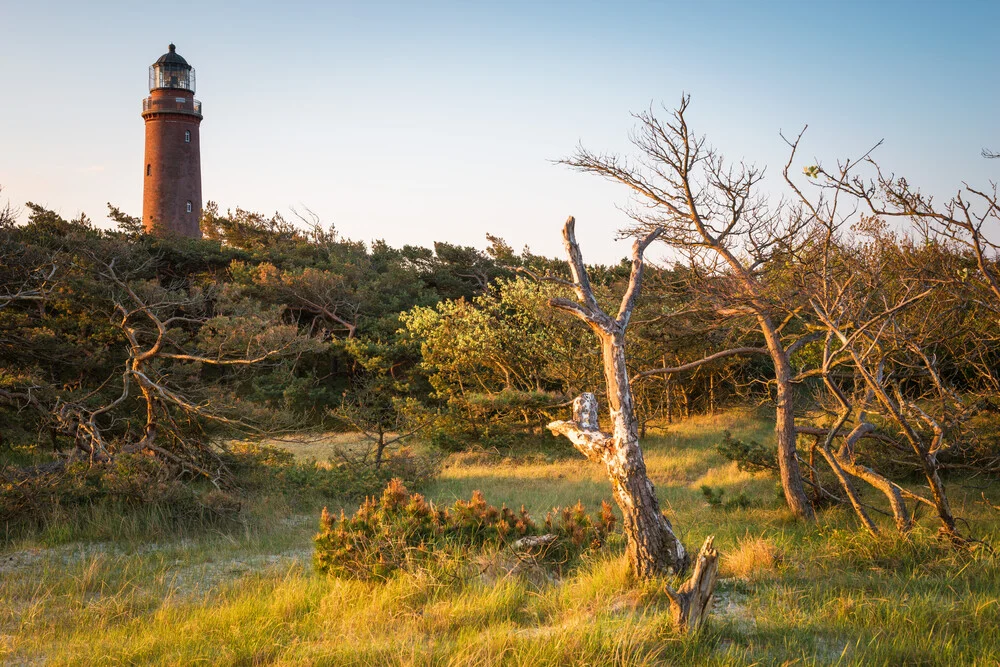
[(416, 122)]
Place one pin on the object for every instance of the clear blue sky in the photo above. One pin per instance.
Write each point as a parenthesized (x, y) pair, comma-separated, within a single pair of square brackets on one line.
[(416, 122)]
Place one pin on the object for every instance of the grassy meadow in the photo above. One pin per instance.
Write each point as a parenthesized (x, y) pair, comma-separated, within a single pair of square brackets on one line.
[(106, 587)]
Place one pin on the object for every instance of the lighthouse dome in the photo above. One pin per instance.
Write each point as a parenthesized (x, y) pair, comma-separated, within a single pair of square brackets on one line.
[(172, 57)]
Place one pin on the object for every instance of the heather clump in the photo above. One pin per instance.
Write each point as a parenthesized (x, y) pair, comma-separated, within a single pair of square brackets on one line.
[(400, 530)]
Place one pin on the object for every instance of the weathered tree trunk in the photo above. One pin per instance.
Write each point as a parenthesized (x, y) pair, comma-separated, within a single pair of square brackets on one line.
[(788, 464), (653, 548), (691, 603)]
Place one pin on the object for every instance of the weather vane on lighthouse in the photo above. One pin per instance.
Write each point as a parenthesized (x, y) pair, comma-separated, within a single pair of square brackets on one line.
[(171, 194)]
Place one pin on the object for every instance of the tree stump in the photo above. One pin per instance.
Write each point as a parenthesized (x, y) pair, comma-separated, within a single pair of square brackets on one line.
[(691, 603)]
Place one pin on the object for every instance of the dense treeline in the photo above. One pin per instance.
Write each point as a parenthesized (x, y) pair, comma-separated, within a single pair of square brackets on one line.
[(260, 326), (264, 326), (871, 332)]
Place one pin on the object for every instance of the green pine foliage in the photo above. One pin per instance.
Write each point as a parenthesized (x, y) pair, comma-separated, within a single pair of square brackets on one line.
[(749, 455), (403, 530)]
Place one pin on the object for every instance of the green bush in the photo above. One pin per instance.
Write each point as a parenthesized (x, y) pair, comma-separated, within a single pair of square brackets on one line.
[(714, 498), (30, 496), (400, 529), (750, 456), (447, 441)]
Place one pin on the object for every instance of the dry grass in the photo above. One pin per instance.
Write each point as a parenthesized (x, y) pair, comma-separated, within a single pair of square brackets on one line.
[(793, 594), (321, 446), (753, 558)]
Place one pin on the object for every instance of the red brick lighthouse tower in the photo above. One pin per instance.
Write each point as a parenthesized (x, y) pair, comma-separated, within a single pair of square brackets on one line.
[(171, 194)]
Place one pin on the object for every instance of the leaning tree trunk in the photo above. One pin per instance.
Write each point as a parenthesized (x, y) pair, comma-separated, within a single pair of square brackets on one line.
[(893, 492), (788, 464), (653, 548)]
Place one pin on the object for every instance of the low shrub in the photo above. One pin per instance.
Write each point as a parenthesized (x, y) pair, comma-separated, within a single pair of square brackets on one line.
[(750, 456), (30, 496), (400, 529), (714, 498)]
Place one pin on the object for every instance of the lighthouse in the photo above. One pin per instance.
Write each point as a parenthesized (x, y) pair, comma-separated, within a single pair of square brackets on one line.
[(171, 193)]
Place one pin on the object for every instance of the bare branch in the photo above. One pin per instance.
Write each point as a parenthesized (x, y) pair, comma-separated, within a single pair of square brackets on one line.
[(736, 351), (635, 279)]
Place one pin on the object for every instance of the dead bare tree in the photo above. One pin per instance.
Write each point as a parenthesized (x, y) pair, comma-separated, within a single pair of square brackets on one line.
[(868, 302), (890, 346), (713, 212), (833, 286), (653, 547), (872, 353), (843, 460)]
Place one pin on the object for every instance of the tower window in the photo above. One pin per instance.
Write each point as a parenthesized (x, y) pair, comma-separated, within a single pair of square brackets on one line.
[(189, 207), (187, 136), (149, 169)]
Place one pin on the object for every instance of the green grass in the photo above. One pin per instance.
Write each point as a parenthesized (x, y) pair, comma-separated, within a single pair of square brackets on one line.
[(246, 594)]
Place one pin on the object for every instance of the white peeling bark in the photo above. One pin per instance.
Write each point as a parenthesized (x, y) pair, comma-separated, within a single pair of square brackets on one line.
[(653, 548)]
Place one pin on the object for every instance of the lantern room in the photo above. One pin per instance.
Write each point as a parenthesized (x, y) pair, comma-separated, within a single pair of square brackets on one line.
[(171, 71)]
